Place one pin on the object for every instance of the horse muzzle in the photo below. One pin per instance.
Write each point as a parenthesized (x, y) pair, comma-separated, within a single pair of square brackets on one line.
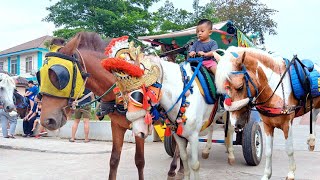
[(54, 122), (9, 108)]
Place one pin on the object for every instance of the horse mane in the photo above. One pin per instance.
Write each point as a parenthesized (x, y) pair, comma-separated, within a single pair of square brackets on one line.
[(89, 41), (57, 41), (92, 41), (17, 94), (225, 65)]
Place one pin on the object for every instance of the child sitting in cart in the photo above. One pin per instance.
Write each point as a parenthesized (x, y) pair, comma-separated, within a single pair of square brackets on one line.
[(205, 46)]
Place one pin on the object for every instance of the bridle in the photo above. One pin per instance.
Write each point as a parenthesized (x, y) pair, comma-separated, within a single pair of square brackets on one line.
[(253, 99), (248, 80)]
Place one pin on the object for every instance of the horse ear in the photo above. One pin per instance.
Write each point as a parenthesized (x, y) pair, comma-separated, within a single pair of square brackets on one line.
[(243, 57), (239, 60), (71, 46)]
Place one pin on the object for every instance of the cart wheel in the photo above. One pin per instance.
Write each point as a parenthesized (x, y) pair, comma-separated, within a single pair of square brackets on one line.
[(252, 143), (169, 145)]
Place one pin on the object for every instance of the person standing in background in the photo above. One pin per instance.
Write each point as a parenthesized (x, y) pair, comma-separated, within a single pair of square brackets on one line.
[(85, 113)]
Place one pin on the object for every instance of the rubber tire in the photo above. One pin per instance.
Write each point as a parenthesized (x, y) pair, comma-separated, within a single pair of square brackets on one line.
[(248, 146), (170, 145)]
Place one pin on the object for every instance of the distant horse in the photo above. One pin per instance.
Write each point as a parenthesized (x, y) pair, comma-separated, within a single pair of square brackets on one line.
[(7, 86), (89, 49), (252, 77), (141, 98), (21, 103)]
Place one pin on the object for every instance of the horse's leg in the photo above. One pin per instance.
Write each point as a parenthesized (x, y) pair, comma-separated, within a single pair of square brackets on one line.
[(312, 137), (289, 149), (182, 144), (173, 165), (139, 156), (229, 143), (269, 130), (195, 164), (180, 174), (206, 150), (117, 142)]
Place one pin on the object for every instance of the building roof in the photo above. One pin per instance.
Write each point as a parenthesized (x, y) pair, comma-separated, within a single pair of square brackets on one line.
[(36, 43)]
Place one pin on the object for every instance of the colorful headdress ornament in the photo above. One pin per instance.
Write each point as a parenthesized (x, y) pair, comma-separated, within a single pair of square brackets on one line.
[(129, 65)]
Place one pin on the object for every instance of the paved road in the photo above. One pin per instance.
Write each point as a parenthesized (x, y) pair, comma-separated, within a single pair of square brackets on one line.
[(54, 158)]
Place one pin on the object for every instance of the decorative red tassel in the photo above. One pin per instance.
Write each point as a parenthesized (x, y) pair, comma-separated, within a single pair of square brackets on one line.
[(145, 103), (228, 101), (183, 109), (167, 132), (148, 118), (180, 129)]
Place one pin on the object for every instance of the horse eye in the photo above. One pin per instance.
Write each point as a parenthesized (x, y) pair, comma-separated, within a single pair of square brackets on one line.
[(240, 88), (1, 88)]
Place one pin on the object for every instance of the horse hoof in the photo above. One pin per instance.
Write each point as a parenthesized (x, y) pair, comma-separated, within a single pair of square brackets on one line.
[(231, 161), (179, 176), (205, 155), (171, 177), (287, 178), (311, 148)]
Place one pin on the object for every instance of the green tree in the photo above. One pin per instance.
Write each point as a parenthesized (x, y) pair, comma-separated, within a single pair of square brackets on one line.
[(250, 16), (107, 17), (168, 18)]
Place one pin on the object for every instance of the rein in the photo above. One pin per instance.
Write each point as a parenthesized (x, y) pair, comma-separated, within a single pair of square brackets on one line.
[(280, 82), (252, 101), (186, 81), (275, 111), (98, 98)]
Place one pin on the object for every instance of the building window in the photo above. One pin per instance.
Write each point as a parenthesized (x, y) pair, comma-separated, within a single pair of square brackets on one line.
[(28, 64), (1, 65), (14, 68)]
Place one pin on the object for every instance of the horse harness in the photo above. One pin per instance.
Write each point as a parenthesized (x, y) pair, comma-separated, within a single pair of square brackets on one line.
[(176, 126), (271, 111), (70, 87)]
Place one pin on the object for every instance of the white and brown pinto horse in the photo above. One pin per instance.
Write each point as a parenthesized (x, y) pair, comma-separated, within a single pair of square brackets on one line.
[(245, 72)]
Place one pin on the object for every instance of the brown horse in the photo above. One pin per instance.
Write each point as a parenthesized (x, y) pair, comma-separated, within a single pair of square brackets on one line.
[(252, 77), (21, 103), (89, 47)]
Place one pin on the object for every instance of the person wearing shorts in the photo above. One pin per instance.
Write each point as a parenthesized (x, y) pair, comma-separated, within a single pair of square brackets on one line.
[(85, 113), (205, 46)]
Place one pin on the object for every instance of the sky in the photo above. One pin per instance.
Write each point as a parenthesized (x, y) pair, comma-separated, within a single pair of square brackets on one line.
[(297, 29)]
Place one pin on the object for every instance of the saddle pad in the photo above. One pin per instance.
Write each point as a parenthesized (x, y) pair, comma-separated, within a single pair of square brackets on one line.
[(205, 85), (315, 83), (209, 77), (300, 76)]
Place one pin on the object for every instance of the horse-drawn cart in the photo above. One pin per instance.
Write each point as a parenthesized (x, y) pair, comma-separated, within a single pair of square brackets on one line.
[(225, 34)]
